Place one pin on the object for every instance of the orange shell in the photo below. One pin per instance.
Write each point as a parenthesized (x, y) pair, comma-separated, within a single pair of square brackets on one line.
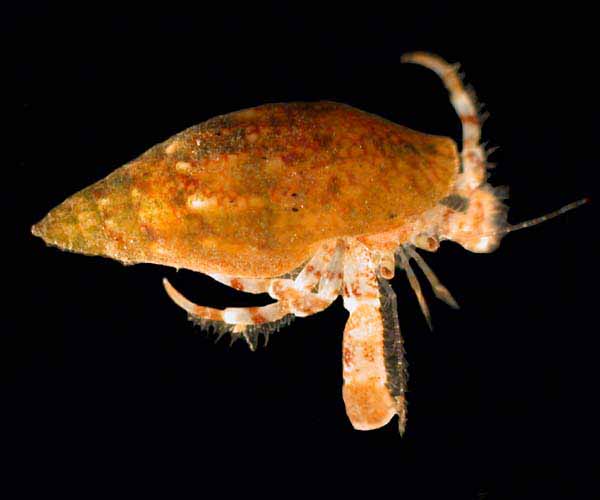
[(252, 193)]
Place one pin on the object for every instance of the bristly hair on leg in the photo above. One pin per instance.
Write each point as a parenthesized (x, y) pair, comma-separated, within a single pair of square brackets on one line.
[(393, 347), (250, 333), (489, 151)]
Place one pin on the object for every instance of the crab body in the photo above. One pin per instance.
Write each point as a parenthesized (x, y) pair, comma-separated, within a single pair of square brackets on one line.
[(253, 193), (306, 202)]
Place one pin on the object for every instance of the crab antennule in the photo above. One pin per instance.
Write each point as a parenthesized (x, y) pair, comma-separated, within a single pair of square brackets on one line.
[(440, 291), (465, 104), (414, 283)]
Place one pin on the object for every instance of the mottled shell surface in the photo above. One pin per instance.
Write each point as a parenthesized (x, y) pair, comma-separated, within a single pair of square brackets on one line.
[(252, 193)]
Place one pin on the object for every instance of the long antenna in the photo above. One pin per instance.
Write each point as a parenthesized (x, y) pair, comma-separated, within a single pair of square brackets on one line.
[(544, 218)]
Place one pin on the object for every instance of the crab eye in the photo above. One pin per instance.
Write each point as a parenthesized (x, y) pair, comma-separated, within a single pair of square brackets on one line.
[(456, 202)]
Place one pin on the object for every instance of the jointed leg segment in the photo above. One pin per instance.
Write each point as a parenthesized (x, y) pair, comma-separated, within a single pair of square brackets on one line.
[(373, 372), (440, 291), (294, 297), (405, 253)]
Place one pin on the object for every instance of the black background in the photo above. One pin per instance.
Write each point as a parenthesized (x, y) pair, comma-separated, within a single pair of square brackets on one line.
[(104, 382)]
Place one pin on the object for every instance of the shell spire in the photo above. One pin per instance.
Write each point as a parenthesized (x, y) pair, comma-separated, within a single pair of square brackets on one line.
[(98, 220)]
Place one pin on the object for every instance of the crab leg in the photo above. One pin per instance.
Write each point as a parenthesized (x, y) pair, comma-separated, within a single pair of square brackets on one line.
[(293, 296), (440, 291), (324, 271), (473, 154), (307, 279), (239, 321), (414, 283), (373, 390), (229, 315)]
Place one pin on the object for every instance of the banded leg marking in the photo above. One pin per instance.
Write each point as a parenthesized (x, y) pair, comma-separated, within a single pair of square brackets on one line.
[(311, 273), (472, 154), (297, 295), (293, 298), (229, 315)]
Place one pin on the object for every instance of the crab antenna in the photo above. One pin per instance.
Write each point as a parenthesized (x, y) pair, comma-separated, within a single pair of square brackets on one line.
[(544, 218)]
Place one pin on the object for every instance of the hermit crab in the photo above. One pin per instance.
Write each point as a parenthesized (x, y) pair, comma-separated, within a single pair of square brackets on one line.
[(305, 202)]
